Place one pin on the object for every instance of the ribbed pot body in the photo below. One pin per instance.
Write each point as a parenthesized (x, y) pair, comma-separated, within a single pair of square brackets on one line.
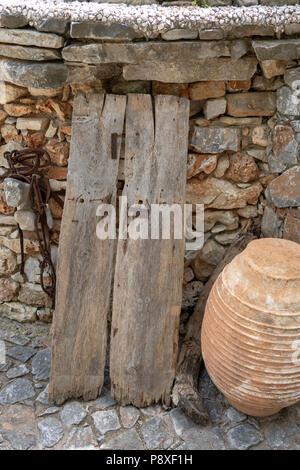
[(251, 328)]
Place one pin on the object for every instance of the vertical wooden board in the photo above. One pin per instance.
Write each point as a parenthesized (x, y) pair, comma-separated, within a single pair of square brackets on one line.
[(148, 274), (84, 272)]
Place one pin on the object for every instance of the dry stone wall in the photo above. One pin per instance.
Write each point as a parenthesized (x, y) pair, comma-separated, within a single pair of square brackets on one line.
[(243, 163)]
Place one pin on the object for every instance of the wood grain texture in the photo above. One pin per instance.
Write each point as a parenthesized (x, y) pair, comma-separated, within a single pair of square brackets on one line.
[(85, 263), (148, 275)]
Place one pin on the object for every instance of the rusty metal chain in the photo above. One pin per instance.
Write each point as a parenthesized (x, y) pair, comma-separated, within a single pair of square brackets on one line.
[(25, 165)]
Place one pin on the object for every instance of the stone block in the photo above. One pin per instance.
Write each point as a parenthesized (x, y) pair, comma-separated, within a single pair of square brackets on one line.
[(251, 104), (28, 37), (215, 139)]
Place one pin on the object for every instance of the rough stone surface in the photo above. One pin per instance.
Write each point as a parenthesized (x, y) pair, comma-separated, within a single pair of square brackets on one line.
[(133, 53), (285, 145), (73, 413), (127, 440), (277, 50), (17, 425), (21, 353), (221, 194), (244, 436), (8, 290), (215, 139), (16, 372), (176, 34), (291, 230), (276, 436), (284, 191), (154, 432), (104, 401), (49, 75), (16, 391), (81, 439), (242, 168), (214, 108), (189, 71), (106, 421), (286, 102), (200, 439), (200, 163), (27, 37), (129, 416), (9, 93), (41, 365), (18, 311), (51, 431), (28, 53), (204, 90), (251, 104), (32, 294)]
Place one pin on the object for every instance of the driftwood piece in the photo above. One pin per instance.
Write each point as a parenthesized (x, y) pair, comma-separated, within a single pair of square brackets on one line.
[(149, 272), (185, 392), (84, 261)]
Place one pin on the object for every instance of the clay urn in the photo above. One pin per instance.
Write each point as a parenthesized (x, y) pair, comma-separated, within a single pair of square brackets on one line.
[(251, 328)]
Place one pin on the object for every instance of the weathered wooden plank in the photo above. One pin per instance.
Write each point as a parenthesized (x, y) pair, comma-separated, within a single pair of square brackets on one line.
[(85, 263), (148, 275)]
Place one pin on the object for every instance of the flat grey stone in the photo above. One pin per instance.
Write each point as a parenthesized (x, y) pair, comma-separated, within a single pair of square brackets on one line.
[(52, 25), (215, 139), (51, 432), (19, 340), (28, 37), (73, 413), (18, 371), (88, 73), (244, 436), (21, 353), (43, 397), (19, 390), (199, 438), (17, 425), (129, 416), (81, 439), (180, 421), (29, 53), (214, 409), (270, 224), (104, 401), (176, 34), (50, 75), (127, 440), (286, 102), (132, 53), (284, 191), (4, 367), (285, 49), (183, 71), (235, 416), (13, 21), (41, 364), (154, 432), (113, 32), (276, 436), (106, 421)]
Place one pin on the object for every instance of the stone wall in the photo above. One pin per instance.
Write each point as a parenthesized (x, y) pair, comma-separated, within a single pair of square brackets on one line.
[(243, 161)]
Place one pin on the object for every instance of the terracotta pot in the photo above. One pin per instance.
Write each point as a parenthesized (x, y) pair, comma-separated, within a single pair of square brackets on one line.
[(251, 328)]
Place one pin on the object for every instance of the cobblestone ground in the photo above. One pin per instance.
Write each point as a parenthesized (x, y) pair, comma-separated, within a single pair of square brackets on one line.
[(29, 421)]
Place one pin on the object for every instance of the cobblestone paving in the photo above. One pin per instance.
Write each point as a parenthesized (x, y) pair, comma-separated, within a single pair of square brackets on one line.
[(29, 421)]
